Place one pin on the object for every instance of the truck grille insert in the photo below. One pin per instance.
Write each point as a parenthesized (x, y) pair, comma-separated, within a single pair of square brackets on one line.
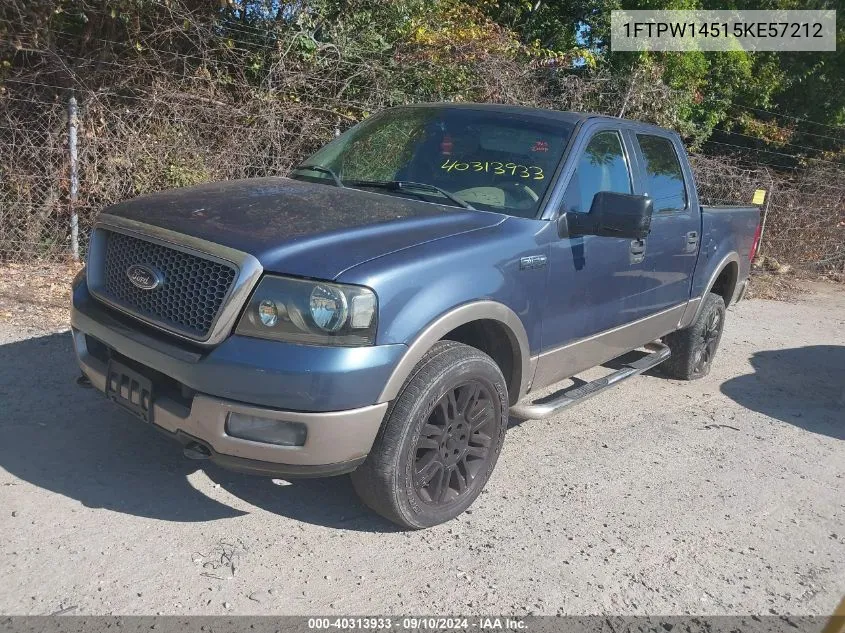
[(190, 291)]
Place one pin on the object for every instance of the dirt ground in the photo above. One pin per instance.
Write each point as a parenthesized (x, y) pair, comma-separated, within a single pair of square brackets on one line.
[(722, 496)]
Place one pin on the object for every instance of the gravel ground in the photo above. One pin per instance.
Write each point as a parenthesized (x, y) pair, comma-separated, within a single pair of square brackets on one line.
[(722, 496)]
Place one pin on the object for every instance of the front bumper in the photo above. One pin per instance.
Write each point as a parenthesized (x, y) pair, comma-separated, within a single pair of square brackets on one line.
[(336, 441), (193, 391)]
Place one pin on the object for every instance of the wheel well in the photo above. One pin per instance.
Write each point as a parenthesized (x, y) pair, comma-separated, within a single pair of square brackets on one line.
[(725, 283), (497, 341)]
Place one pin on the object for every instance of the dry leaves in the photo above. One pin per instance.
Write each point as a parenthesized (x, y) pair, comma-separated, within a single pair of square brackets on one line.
[(775, 285), (37, 295)]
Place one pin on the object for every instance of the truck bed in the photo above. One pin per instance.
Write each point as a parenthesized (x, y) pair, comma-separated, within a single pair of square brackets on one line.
[(725, 229)]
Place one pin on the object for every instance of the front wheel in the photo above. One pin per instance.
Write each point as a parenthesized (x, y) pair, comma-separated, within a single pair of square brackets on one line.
[(694, 347), (440, 440)]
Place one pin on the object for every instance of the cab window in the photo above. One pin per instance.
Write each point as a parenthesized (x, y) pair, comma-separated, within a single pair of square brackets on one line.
[(601, 167), (664, 177)]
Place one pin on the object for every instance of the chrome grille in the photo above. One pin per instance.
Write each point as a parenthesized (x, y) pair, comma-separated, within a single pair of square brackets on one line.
[(190, 296)]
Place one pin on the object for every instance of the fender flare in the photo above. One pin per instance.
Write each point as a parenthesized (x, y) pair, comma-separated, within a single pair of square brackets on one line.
[(445, 323), (696, 304)]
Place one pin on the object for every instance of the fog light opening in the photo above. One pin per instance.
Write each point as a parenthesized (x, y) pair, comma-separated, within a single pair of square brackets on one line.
[(265, 430)]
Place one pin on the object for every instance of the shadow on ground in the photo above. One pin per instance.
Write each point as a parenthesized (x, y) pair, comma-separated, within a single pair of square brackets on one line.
[(73, 441), (804, 386)]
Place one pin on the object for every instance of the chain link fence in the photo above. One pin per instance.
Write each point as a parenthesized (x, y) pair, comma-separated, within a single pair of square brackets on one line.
[(803, 214), (180, 101), (123, 151)]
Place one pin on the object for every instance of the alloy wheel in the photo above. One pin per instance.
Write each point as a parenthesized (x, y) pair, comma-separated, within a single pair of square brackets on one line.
[(454, 445), (708, 342)]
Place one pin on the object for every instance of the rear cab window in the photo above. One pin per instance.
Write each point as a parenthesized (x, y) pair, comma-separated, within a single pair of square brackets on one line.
[(663, 177)]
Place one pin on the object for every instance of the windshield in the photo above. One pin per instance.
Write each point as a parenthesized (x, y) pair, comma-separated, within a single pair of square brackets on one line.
[(494, 161)]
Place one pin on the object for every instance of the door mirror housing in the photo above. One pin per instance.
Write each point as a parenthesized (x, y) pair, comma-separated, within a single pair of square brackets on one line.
[(611, 215)]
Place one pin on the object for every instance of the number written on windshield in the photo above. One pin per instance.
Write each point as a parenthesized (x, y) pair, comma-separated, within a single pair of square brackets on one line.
[(495, 167)]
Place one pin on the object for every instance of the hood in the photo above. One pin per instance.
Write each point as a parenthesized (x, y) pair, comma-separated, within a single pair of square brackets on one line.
[(301, 228)]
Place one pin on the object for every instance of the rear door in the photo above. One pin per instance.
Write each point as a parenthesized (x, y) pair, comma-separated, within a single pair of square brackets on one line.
[(671, 248)]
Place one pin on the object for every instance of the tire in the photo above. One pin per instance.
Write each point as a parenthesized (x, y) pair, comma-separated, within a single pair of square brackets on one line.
[(418, 473), (694, 347)]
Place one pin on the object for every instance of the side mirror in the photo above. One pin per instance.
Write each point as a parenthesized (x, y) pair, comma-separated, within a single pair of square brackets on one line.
[(612, 215)]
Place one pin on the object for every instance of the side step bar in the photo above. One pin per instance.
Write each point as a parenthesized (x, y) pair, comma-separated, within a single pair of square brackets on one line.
[(658, 352)]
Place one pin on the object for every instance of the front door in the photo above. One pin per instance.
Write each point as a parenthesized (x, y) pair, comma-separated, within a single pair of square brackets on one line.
[(595, 283)]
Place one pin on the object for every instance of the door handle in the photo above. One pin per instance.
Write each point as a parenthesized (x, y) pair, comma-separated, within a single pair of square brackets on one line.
[(692, 241), (637, 251)]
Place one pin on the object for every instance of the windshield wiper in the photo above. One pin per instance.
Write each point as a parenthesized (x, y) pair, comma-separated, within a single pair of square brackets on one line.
[(322, 170), (399, 185)]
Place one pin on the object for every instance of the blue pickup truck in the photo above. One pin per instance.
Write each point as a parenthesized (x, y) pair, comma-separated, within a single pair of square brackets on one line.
[(383, 310)]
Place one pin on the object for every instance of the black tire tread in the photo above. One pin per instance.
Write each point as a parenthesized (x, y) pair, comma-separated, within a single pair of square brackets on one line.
[(376, 480), (681, 365)]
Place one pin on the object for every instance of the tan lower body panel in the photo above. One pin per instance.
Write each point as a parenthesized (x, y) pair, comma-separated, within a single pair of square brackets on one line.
[(573, 358)]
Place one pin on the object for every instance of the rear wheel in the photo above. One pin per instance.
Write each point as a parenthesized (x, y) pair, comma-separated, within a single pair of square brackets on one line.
[(440, 441), (694, 348)]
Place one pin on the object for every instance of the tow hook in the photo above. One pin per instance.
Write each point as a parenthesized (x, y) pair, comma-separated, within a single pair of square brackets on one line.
[(84, 381), (195, 450)]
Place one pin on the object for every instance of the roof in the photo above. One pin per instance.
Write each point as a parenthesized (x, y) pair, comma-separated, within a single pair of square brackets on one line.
[(557, 115), (554, 115)]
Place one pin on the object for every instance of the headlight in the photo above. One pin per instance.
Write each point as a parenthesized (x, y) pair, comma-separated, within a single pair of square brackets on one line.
[(268, 313), (311, 312), (329, 308)]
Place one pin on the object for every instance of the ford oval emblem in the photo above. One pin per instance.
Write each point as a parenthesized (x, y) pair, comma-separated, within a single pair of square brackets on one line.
[(144, 277)]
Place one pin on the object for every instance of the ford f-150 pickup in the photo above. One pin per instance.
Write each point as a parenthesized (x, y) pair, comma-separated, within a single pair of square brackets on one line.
[(383, 310)]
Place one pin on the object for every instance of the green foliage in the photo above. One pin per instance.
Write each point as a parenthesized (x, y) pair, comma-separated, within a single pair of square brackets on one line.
[(712, 90), (368, 54), (176, 92)]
